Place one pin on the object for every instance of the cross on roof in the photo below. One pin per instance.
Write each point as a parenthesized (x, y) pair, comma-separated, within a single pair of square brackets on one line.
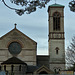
[(15, 25)]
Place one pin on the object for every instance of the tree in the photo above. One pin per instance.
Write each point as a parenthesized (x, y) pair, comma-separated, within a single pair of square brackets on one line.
[(72, 5), (70, 54), (72, 67), (27, 6)]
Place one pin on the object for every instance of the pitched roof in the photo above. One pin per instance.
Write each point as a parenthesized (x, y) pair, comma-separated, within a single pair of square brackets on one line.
[(15, 29), (13, 60), (44, 68)]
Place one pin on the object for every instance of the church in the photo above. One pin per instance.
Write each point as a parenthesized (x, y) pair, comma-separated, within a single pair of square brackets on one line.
[(18, 52)]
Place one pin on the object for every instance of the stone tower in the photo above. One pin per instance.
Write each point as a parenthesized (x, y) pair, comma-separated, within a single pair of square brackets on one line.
[(56, 37)]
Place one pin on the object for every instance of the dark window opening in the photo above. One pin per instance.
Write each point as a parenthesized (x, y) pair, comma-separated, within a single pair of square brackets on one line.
[(5, 67), (43, 72), (0, 68), (57, 50), (59, 69), (12, 67), (20, 68), (56, 21), (55, 70)]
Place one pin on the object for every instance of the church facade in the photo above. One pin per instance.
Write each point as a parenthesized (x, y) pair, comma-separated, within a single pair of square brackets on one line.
[(18, 52)]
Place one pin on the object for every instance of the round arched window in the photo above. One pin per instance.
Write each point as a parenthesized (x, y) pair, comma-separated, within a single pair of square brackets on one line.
[(56, 21), (14, 48)]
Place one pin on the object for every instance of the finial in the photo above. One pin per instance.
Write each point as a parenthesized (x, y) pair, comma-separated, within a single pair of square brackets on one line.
[(55, 1), (15, 25)]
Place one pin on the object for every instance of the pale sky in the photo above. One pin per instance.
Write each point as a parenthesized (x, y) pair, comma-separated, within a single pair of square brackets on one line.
[(35, 25)]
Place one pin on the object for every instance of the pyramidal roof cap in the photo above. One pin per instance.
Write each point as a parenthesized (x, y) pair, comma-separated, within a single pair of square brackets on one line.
[(56, 5)]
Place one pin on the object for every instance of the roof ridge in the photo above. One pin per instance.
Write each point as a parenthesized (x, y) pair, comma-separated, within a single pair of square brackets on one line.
[(18, 31)]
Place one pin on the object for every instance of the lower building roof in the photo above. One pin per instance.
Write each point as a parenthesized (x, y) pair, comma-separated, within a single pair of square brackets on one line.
[(14, 60)]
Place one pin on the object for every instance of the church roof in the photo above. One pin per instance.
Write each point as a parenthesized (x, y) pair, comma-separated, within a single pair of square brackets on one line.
[(13, 60), (15, 29), (56, 5)]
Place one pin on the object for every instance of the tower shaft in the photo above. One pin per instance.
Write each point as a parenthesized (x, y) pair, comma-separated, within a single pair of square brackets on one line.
[(56, 37)]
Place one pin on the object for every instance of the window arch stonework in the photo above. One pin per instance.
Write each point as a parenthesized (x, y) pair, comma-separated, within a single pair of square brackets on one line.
[(15, 41), (57, 69)]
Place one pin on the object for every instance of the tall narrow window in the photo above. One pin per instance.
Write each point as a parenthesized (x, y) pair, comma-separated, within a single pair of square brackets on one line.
[(0, 68), (12, 67), (20, 68), (57, 50), (59, 69), (55, 70), (56, 21), (5, 67)]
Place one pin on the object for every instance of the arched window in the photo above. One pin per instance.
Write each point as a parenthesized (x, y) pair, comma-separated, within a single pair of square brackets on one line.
[(57, 50), (56, 21), (59, 68)]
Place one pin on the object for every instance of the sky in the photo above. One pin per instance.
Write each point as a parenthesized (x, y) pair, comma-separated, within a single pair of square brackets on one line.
[(35, 25)]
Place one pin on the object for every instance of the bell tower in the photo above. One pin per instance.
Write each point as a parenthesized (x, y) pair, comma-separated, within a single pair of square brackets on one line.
[(56, 43)]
